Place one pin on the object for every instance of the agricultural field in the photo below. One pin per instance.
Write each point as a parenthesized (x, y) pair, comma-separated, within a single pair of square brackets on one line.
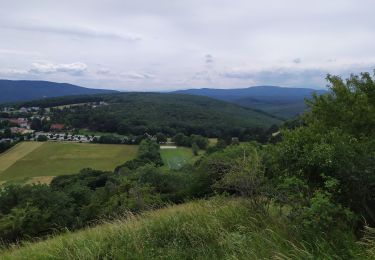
[(39, 162), (175, 158)]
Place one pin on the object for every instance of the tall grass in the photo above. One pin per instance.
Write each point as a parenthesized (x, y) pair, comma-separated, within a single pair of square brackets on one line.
[(215, 229)]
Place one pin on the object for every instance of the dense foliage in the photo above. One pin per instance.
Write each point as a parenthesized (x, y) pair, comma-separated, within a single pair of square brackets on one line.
[(152, 113)]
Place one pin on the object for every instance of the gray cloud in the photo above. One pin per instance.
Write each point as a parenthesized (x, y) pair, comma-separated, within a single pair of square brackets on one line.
[(75, 69), (209, 58), (137, 75), (162, 44), (104, 71), (72, 30)]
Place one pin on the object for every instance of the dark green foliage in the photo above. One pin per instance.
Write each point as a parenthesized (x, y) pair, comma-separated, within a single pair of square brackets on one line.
[(5, 146), (140, 113), (33, 210), (42, 138), (149, 151), (195, 149), (109, 139), (36, 124), (217, 171), (182, 140), (161, 138), (335, 148)]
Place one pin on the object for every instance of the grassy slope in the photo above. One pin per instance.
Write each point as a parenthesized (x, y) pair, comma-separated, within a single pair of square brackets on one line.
[(52, 159), (215, 229)]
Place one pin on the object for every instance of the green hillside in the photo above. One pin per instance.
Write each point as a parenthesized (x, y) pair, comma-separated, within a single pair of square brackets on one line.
[(137, 113), (215, 229)]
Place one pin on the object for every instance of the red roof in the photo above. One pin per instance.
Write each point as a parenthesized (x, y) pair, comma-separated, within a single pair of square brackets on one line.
[(57, 127)]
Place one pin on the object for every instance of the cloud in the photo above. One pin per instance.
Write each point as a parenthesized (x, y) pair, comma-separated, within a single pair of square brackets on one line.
[(238, 74), (74, 31), (209, 58), (103, 71), (75, 69), (19, 52), (136, 75), (146, 38), (13, 72), (307, 77)]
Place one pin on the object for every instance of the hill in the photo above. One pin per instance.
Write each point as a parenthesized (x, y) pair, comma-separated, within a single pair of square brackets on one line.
[(214, 229), (279, 101), (23, 90), (138, 113)]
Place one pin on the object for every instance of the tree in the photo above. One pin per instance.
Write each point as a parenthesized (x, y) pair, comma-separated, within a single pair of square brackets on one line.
[(36, 124), (161, 138), (246, 177), (195, 149), (150, 151), (42, 138), (337, 141)]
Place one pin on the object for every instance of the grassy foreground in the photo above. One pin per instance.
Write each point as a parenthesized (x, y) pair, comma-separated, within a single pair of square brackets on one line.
[(32, 160), (215, 229)]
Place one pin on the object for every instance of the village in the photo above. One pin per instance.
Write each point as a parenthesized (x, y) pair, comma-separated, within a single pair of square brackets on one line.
[(34, 124)]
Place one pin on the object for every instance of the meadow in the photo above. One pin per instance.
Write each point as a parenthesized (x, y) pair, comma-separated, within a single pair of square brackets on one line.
[(176, 158), (33, 162)]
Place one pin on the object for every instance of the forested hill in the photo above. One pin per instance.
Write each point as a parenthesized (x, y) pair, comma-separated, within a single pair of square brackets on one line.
[(23, 90), (138, 113), (279, 101)]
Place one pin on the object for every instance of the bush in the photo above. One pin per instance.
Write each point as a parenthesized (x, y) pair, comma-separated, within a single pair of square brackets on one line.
[(42, 138)]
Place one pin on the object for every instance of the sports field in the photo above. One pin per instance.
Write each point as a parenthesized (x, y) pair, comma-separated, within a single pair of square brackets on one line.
[(33, 161), (176, 158)]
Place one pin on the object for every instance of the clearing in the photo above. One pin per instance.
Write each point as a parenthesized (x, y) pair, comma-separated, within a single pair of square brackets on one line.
[(29, 161), (175, 158)]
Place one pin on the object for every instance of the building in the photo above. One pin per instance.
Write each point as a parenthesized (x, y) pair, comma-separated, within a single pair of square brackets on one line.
[(23, 110), (57, 127), (18, 130), (21, 122)]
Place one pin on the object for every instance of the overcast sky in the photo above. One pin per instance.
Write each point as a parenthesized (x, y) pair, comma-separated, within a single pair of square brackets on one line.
[(173, 44)]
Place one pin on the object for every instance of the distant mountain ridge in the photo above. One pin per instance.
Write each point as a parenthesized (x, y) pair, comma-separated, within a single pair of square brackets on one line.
[(24, 90), (279, 101)]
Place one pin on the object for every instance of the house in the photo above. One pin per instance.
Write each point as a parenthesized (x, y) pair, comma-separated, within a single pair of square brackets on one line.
[(18, 130), (23, 110), (57, 127), (21, 122)]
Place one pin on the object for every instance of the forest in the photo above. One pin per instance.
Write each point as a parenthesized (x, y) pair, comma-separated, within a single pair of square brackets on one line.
[(139, 113)]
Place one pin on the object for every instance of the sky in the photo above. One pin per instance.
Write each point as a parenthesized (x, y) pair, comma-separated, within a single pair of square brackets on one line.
[(157, 45)]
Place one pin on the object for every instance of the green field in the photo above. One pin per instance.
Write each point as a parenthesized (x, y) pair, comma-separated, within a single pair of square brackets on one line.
[(176, 158), (29, 161)]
